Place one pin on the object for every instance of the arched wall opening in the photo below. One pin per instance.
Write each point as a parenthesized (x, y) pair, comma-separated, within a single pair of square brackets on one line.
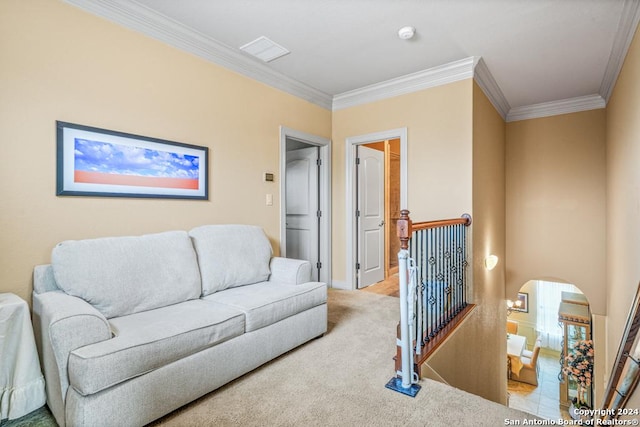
[(555, 316)]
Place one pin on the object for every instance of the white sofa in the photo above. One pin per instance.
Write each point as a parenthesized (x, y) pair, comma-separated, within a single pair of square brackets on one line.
[(131, 328)]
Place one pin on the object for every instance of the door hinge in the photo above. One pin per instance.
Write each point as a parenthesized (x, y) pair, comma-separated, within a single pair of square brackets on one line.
[(357, 266), (357, 160), (318, 265), (319, 214), (357, 213), (319, 162)]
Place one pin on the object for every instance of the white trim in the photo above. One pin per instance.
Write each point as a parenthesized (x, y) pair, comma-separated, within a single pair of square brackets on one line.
[(350, 145), (325, 195), (554, 108), (490, 87), (626, 30), (340, 284), (140, 18), (436, 76)]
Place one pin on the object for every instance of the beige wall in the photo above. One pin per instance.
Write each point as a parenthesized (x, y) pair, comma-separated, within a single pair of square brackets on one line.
[(60, 63), (479, 345), (438, 122), (555, 169), (527, 321), (556, 212), (456, 165), (623, 200)]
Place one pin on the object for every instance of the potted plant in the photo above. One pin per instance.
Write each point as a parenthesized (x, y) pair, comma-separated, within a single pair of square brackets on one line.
[(579, 367)]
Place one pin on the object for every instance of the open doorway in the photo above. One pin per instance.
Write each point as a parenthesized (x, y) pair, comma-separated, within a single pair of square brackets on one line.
[(378, 209), (376, 192), (302, 204), (547, 325), (305, 209)]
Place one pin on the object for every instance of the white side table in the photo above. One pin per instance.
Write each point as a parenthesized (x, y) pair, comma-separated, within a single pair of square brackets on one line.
[(21, 380)]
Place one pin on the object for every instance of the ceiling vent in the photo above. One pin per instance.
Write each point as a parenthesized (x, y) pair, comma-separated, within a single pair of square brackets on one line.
[(264, 49)]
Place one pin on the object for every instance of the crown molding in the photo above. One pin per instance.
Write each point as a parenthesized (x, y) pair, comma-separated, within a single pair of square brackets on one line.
[(490, 87), (554, 108), (626, 30), (139, 18), (436, 76)]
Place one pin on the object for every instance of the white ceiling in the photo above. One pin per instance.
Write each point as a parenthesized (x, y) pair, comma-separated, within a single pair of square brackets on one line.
[(534, 52)]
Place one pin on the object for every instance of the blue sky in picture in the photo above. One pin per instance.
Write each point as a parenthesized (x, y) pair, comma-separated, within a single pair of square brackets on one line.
[(97, 156)]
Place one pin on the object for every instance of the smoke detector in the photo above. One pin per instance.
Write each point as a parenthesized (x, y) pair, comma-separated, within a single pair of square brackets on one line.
[(405, 33)]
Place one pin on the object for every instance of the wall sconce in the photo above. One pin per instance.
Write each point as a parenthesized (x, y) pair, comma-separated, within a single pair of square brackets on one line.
[(511, 305), (490, 262)]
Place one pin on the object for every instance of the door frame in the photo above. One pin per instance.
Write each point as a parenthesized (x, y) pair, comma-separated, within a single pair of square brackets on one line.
[(351, 202), (325, 195)]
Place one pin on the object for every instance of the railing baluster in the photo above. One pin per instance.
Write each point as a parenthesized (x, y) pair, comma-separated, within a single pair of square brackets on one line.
[(458, 276), (423, 266), (438, 253), (431, 283), (440, 277)]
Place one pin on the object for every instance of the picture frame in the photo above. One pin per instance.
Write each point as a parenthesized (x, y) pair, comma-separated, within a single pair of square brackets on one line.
[(105, 163), (523, 297)]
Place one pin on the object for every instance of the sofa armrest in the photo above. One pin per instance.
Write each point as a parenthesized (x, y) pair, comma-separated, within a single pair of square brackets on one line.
[(43, 280), (289, 271), (63, 323)]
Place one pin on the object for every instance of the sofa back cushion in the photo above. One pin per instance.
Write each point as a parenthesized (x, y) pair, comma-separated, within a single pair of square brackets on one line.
[(126, 275), (231, 255)]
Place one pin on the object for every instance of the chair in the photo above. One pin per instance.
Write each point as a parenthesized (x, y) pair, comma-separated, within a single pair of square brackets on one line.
[(529, 372), (528, 353), (512, 327)]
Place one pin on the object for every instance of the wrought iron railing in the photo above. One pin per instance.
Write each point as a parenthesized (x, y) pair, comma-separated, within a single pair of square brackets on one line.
[(433, 291)]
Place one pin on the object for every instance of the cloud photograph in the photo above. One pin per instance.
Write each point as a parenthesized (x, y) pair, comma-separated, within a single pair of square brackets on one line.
[(106, 163)]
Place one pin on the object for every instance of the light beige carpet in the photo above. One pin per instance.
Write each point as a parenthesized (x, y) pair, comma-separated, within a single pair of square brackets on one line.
[(339, 380)]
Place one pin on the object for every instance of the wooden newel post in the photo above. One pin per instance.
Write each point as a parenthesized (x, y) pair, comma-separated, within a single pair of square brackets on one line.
[(404, 229)]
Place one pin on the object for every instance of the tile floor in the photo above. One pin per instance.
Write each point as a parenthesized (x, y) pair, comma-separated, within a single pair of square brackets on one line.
[(542, 400)]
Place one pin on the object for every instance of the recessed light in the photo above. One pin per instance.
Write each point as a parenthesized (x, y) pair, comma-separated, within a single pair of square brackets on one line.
[(405, 33)]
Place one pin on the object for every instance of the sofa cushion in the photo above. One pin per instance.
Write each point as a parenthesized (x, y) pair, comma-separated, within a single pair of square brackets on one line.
[(149, 340), (268, 302), (125, 275), (231, 255)]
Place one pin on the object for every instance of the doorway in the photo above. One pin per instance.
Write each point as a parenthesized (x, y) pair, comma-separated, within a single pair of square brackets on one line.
[(376, 192), (305, 209), (370, 214), (378, 209), (302, 204), (550, 318)]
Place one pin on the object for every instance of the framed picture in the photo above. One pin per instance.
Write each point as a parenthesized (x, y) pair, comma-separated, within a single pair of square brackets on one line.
[(523, 297), (100, 162)]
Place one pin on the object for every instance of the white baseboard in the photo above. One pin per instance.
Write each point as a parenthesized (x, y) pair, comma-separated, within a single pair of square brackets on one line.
[(339, 284)]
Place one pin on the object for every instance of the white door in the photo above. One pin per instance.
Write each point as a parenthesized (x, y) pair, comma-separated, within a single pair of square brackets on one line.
[(371, 216), (302, 220)]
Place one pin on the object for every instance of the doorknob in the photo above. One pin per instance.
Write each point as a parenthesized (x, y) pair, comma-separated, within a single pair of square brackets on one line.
[(381, 223)]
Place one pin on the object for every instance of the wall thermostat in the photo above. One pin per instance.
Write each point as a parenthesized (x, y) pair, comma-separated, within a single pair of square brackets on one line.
[(269, 177)]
